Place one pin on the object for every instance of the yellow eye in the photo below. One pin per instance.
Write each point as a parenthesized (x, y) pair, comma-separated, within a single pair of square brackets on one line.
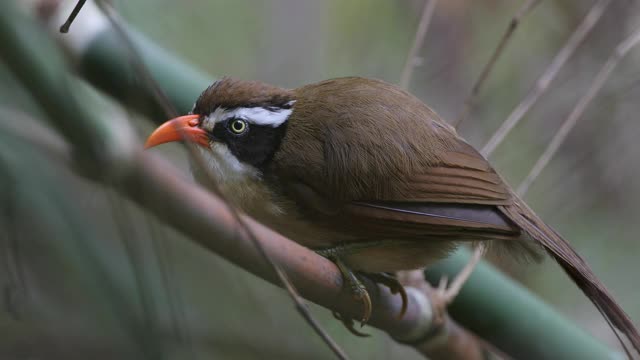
[(238, 126)]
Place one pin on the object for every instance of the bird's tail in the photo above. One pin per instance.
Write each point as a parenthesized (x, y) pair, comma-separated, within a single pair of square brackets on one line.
[(575, 267)]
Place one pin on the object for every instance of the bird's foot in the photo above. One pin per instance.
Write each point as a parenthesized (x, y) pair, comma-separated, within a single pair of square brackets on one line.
[(361, 294), (358, 290)]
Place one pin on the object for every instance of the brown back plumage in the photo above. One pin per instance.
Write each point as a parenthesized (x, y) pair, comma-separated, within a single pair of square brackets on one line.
[(379, 154)]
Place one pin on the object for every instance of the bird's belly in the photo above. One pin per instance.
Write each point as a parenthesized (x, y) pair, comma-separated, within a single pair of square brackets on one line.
[(398, 256), (283, 216), (368, 255)]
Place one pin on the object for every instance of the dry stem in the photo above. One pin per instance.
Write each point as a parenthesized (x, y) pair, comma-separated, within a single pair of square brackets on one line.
[(418, 40), (513, 25), (547, 77), (620, 51)]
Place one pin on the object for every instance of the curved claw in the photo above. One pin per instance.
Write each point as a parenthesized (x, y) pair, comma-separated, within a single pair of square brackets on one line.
[(348, 323), (366, 301), (405, 301), (359, 291), (394, 286)]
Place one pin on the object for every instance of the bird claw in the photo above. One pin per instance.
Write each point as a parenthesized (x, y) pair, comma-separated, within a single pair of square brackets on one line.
[(349, 324), (394, 286), (361, 294), (358, 290)]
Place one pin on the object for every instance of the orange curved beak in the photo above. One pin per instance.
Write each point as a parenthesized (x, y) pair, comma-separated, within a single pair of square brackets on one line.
[(182, 128)]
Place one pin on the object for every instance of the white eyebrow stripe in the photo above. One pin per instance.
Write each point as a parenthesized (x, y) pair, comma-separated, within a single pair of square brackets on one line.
[(259, 115)]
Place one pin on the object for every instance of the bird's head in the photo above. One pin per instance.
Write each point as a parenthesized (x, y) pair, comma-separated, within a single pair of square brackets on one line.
[(240, 123)]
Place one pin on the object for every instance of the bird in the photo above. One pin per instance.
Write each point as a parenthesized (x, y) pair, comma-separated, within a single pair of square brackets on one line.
[(366, 174)]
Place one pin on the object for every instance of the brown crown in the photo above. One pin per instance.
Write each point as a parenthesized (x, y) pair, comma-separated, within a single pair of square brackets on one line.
[(230, 93)]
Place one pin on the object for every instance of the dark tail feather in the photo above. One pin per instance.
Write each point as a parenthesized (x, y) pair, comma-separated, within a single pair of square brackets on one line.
[(575, 267)]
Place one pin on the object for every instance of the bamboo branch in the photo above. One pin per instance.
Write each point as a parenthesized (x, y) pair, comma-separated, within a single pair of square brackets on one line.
[(620, 51), (547, 77), (484, 74), (418, 40)]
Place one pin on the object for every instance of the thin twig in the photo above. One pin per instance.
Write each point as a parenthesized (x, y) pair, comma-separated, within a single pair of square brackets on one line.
[(163, 101), (547, 77), (475, 90), (461, 278), (412, 58), (620, 51), (67, 24)]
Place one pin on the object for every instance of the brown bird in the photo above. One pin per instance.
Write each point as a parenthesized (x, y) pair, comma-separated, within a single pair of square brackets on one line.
[(368, 175)]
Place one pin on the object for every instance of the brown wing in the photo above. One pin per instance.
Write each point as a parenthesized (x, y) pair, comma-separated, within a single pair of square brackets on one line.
[(462, 176), (379, 158), (453, 200)]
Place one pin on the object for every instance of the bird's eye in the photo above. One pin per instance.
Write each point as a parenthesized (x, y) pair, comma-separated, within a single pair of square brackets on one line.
[(238, 126)]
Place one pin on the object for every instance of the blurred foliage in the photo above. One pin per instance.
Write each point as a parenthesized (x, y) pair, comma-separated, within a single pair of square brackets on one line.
[(85, 272)]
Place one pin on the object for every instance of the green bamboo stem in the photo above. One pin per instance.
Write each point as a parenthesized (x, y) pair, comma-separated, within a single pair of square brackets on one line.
[(106, 65)]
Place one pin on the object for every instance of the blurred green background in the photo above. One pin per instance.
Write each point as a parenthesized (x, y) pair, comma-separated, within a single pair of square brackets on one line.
[(83, 273)]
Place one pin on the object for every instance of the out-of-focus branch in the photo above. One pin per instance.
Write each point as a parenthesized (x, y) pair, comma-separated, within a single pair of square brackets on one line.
[(511, 28), (206, 219), (620, 51), (418, 40), (547, 77)]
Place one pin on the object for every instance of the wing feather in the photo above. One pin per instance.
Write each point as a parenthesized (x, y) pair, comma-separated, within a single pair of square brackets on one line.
[(390, 159)]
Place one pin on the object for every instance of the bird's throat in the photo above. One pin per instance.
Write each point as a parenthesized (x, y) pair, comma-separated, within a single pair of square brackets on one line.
[(241, 184)]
